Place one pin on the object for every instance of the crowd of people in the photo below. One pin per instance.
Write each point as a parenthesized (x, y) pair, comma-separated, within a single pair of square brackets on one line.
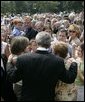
[(42, 56)]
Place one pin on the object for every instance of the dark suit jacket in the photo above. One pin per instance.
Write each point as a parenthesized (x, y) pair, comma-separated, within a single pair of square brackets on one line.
[(7, 92), (30, 33), (40, 72)]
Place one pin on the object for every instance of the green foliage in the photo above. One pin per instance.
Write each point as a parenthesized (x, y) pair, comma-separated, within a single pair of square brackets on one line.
[(40, 6)]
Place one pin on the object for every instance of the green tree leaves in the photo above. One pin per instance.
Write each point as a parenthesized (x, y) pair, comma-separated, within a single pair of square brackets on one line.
[(40, 6)]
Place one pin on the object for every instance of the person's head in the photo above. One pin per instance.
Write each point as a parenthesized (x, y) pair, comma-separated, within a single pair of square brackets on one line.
[(43, 39), (3, 33), (62, 35), (80, 50), (47, 21), (17, 23), (48, 29), (72, 16), (3, 37), (33, 45), (19, 45), (39, 26), (66, 23), (27, 21), (78, 21), (53, 20), (56, 27), (61, 49), (74, 31)]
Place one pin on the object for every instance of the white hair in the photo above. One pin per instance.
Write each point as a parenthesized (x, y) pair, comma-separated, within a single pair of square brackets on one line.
[(43, 39)]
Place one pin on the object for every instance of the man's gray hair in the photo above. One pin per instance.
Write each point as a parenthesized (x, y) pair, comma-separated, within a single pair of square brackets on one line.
[(43, 39)]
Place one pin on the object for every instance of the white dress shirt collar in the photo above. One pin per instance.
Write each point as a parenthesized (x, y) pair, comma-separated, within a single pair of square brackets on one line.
[(42, 49)]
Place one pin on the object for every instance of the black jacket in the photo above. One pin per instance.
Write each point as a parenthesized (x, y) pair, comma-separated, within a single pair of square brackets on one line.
[(30, 33), (7, 92), (40, 72)]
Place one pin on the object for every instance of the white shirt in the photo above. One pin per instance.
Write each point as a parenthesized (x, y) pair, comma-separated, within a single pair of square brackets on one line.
[(42, 49)]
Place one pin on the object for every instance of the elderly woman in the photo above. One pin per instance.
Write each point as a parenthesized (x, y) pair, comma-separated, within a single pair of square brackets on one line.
[(19, 45), (53, 20), (63, 91)]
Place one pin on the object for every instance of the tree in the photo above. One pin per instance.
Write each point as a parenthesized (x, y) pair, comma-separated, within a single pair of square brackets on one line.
[(40, 6), (12, 7)]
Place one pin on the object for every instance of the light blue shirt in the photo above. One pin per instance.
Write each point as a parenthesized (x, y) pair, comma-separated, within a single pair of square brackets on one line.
[(16, 32)]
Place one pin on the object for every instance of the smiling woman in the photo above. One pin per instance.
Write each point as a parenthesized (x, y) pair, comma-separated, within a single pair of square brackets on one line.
[(74, 34)]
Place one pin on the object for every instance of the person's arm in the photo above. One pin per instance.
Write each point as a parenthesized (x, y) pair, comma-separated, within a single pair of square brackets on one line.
[(7, 51), (80, 74), (14, 73), (74, 47), (68, 76), (2, 98)]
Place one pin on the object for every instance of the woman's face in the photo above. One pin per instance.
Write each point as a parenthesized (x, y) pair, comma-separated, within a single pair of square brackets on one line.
[(79, 51), (48, 30), (34, 46), (28, 48), (72, 33), (3, 37), (62, 36)]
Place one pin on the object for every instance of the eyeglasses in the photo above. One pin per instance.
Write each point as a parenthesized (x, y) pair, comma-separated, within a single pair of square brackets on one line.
[(71, 31)]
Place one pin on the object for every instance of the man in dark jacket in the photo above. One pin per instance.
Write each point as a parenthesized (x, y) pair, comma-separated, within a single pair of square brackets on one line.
[(30, 33), (40, 71)]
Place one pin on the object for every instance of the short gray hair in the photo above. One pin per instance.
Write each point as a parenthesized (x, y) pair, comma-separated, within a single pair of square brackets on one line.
[(43, 39)]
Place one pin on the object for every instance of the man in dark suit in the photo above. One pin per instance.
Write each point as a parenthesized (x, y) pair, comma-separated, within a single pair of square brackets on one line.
[(30, 33), (40, 71)]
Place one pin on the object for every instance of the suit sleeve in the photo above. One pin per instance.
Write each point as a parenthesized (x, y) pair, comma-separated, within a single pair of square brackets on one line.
[(68, 76), (14, 73)]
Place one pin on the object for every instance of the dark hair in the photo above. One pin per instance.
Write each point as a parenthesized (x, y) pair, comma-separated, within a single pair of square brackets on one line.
[(18, 44), (55, 30)]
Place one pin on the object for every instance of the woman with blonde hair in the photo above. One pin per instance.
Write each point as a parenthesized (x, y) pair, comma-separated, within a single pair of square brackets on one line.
[(74, 34)]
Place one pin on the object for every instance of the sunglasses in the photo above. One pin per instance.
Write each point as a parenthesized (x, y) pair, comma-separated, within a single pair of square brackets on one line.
[(71, 31)]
